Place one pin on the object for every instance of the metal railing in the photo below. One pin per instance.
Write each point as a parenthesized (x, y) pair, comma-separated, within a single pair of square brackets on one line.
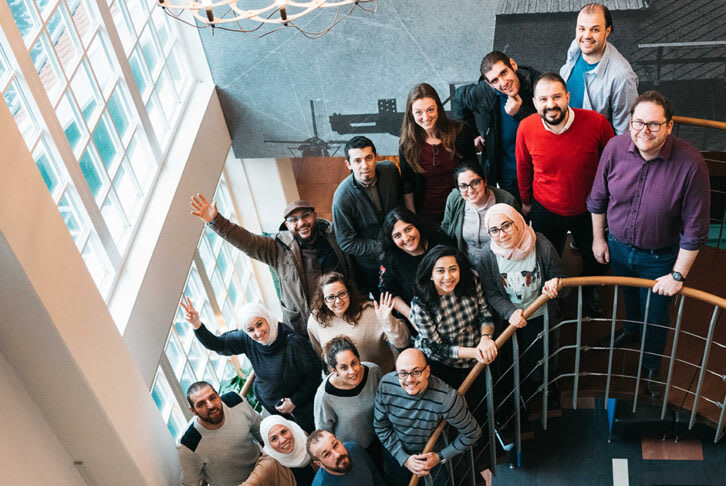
[(468, 472)]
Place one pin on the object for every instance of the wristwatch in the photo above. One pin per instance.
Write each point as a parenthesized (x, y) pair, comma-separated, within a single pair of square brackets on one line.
[(441, 458), (678, 277)]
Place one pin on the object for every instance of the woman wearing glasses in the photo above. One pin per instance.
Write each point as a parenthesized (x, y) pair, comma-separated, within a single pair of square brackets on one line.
[(338, 309), (430, 148), (517, 266), (466, 208), (344, 400)]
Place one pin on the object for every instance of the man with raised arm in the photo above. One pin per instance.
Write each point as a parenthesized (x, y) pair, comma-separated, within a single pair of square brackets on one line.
[(360, 204), (409, 405), (218, 445), (652, 193), (598, 77), (303, 250), (493, 108)]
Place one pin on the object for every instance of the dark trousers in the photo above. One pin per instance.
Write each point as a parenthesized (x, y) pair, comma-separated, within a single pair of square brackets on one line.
[(629, 261), (510, 184), (555, 228)]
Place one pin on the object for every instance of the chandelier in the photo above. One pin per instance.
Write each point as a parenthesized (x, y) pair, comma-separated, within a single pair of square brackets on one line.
[(259, 18)]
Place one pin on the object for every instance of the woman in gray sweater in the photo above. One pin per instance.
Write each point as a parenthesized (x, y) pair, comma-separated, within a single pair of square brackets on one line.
[(344, 401)]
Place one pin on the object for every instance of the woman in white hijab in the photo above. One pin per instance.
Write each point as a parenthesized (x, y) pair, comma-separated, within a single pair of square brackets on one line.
[(287, 370), (285, 442)]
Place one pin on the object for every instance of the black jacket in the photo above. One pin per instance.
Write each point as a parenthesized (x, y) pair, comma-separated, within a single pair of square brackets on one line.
[(477, 105)]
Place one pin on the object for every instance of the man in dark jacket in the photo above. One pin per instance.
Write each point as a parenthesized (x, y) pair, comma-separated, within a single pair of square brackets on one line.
[(300, 253), (493, 108), (360, 204)]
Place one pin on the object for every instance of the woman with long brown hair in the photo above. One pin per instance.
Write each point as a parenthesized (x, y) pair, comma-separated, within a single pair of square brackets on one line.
[(430, 148), (338, 309)]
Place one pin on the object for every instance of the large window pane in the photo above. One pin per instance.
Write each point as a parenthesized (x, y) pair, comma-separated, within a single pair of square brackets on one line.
[(138, 11), (101, 63), (158, 120), (86, 93), (98, 265), (167, 95), (123, 26), (177, 425), (72, 218), (21, 112), (150, 50), (47, 67), (175, 355), (197, 358), (115, 220), (64, 40), (70, 120), (164, 33), (177, 77), (46, 166), (162, 394), (138, 69), (141, 159), (25, 18), (92, 171), (128, 192), (83, 18), (119, 112), (106, 144)]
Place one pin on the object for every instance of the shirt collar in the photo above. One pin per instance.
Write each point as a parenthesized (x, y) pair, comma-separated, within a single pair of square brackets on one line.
[(570, 119)]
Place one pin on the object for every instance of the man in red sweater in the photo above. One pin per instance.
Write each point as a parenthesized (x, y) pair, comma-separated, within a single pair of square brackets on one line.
[(558, 151)]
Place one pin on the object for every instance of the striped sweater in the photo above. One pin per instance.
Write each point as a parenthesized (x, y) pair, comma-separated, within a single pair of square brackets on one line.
[(405, 422)]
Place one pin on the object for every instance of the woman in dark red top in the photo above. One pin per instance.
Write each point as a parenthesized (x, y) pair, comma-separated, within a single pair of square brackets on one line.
[(431, 147)]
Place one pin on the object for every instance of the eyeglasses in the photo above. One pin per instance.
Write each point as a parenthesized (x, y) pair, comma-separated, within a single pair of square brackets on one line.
[(416, 372), (506, 227), (342, 295), (302, 216), (474, 184), (653, 127)]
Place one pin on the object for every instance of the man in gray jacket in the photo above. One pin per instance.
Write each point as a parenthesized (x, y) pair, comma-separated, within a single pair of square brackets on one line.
[(303, 250), (360, 204)]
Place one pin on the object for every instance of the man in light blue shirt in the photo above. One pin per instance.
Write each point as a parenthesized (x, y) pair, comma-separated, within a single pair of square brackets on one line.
[(598, 77)]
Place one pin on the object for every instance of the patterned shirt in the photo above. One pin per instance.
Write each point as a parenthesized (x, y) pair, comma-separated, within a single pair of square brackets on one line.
[(451, 323)]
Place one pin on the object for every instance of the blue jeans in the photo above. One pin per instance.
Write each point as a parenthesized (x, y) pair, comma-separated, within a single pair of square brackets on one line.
[(629, 261)]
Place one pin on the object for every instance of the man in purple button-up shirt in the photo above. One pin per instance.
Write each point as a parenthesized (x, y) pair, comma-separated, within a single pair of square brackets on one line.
[(653, 190)]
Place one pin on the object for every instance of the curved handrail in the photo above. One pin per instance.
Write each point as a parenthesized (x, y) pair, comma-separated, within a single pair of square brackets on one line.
[(248, 384), (542, 299), (699, 122)]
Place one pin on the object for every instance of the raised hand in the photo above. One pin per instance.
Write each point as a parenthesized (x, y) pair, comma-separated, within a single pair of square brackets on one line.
[(384, 309), (513, 104), (202, 209), (191, 314)]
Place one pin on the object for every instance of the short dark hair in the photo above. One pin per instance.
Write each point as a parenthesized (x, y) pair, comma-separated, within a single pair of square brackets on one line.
[(312, 438), (359, 142), (195, 387), (653, 96), (471, 165), (407, 216), (549, 76), (605, 13), (337, 345), (491, 59), (424, 286)]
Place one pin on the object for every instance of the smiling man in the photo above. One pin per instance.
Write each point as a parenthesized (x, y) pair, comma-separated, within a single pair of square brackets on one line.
[(652, 192), (303, 250), (410, 403), (598, 77), (217, 446), (339, 463), (360, 204)]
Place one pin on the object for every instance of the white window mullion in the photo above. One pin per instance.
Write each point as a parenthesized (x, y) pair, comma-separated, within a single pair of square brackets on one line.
[(176, 388), (207, 284)]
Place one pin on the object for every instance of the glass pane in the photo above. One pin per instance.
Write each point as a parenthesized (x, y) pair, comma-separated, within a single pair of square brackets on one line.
[(20, 111), (208, 318), (92, 172), (115, 220), (45, 6), (84, 19), (86, 93), (25, 18), (224, 265), (251, 291), (63, 40), (98, 265), (176, 74), (207, 256), (72, 218), (187, 378), (210, 376), (4, 69), (229, 371), (185, 332), (150, 50), (175, 355), (228, 315), (46, 167), (197, 358), (141, 159), (128, 192), (125, 31), (47, 67), (218, 363), (162, 394), (233, 292), (119, 112), (177, 424), (214, 240), (138, 69), (106, 144), (162, 28), (138, 11), (167, 95), (70, 121), (220, 291), (158, 120), (101, 63)]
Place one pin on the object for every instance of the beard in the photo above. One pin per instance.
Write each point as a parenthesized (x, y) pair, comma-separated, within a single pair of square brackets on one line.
[(343, 469), (214, 420), (558, 119)]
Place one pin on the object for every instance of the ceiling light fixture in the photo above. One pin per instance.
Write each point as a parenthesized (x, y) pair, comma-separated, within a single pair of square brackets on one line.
[(268, 16)]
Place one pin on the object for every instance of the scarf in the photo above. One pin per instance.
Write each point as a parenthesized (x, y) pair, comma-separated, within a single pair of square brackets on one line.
[(524, 237), (251, 311), (299, 456)]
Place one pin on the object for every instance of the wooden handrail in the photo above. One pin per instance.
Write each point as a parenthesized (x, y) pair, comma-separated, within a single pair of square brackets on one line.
[(542, 299), (699, 122), (248, 384)]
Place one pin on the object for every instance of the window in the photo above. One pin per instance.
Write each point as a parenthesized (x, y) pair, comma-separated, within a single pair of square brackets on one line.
[(219, 282)]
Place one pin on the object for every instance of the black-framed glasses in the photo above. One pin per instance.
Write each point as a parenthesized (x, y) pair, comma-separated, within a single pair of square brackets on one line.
[(473, 184), (506, 227), (416, 372), (304, 215), (342, 295), (653, 127)]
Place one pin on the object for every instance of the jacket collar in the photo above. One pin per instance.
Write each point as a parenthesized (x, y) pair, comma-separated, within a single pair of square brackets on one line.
[(574, 52)]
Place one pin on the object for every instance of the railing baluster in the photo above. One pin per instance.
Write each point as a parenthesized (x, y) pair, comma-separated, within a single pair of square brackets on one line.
[(546, 365), (472, 467), (643, 332), (517, 408), (706, 353), (576, 380), (671, 365), (612, 345), (720, 421), (490, 420)]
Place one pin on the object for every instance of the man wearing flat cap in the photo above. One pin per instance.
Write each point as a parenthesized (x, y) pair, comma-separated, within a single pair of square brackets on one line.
[(303, 250)]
